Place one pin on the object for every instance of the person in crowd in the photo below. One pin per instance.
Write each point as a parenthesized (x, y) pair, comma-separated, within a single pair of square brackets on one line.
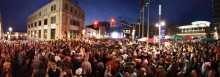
[(150, 72), (53, 71), (194, 74), (108, 71), (39, 71), (86, 67), (211, 73), (161, 72), (172, 70)]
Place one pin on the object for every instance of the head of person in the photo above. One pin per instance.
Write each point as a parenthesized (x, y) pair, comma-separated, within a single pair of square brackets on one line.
[(194, 73), (150, 70), (41, 65), (161, 70), (108, 67), (211, 73), (53, 66)]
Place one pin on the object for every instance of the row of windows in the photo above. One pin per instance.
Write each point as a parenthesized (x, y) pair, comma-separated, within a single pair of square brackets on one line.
[(215, 1), (75, 11), (33, 33), (53, 21), (45, 11), (73, 22)]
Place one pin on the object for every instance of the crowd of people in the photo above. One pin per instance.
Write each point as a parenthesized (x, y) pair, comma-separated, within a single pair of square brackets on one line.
[(108, 58)]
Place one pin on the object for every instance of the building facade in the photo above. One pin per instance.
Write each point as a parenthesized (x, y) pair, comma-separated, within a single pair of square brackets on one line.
[(59, 19), (197, 29), (216, 13), (104, 29)]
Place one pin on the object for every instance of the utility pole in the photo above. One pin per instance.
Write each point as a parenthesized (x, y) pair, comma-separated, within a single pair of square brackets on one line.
[(148, 21)]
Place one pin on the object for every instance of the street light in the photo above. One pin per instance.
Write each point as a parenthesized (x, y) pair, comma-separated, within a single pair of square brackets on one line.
[(10, 29), (159, 25)]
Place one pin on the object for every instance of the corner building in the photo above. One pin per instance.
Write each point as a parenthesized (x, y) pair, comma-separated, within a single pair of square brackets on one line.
[(59, 19)]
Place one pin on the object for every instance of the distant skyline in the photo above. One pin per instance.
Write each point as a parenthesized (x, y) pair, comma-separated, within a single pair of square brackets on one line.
[(182, 12)]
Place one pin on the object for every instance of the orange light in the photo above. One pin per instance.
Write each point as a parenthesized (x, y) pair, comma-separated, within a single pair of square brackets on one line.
[(113, 23), (95, 25)]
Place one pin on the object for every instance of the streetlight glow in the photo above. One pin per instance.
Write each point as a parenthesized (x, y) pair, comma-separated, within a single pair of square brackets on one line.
[(157, 25), (162, 23), (10, 29)]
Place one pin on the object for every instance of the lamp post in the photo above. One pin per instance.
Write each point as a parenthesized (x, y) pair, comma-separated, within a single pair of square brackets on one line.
[(10, 29), (148, 20), (159, 25), (8, 36)]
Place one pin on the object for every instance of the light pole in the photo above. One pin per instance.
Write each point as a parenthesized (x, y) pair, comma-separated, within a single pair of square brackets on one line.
[(8, 36), (148, 20), (10, 29), (159, 25)]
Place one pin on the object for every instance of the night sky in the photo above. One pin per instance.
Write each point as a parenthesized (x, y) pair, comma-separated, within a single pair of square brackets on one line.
[(181, 12)]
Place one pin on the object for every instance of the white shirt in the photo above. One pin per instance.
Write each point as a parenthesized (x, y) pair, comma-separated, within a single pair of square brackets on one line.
[(203, 68)]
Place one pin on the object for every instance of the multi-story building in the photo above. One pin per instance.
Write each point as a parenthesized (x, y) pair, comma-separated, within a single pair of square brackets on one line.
[(58, 19), (197, 29), (216, 13), (1, 32), (102, 30)]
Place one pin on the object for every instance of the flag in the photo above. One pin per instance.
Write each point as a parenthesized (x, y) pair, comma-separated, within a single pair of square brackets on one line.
[(142, 4)]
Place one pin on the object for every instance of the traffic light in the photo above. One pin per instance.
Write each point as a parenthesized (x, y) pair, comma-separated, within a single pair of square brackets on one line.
[(95, 25), (113, 22)]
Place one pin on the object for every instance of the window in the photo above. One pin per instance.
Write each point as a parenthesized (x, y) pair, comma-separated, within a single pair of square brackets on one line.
[(39, 34), (215, 6), (215, 1), (45, 33), (45, 21), (79, 13), (53, 7), (39, 23), (31, 25), (53, 20), (39, 14), (73, 33), (73, 22), (66, 6), (215, 20), (53, 33), (35, 24), (71, 9), (215, 25), (215, 11), (76, 11), (35, 16), (77, 24), (45, 11), (82, 15), (31, 18)]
